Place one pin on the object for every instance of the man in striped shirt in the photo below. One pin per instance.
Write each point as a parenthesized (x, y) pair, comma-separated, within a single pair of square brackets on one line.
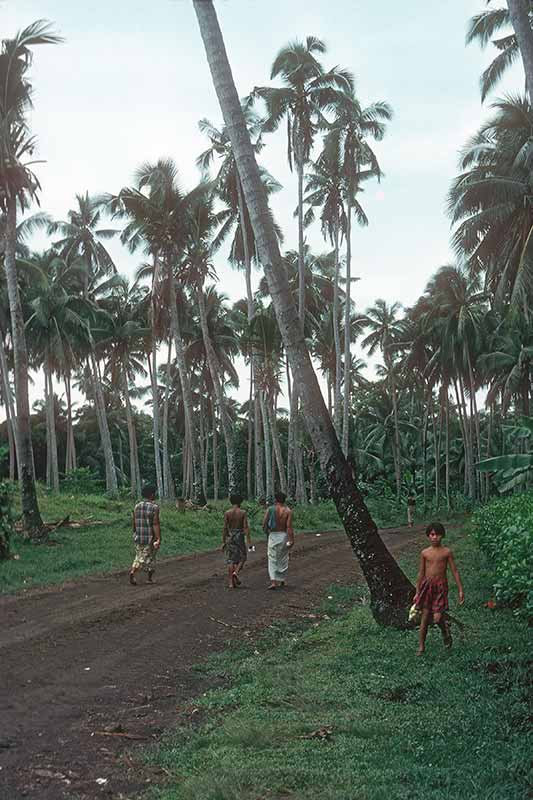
[(146, 534)]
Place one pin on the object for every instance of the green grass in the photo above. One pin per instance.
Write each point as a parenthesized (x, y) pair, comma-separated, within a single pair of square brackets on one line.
[(450, 725), (106, 547)]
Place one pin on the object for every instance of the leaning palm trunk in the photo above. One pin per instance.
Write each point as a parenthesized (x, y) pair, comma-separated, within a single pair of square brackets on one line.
[(337, 339), (347, 334), (390, 590), (105, 436), (215, 372), (32, 522), (197, 492)]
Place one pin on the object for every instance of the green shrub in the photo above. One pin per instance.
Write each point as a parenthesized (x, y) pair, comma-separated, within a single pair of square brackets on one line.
[(7, 517), (81, 481), (504, 532)]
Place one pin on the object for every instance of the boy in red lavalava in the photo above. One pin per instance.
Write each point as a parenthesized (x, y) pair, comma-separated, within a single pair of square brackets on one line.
[(432, 585)]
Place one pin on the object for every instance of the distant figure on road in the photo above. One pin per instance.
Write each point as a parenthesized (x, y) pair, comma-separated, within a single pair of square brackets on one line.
[(411, 505), (432, 585), (277, 524), (235, 530), (146, 534)]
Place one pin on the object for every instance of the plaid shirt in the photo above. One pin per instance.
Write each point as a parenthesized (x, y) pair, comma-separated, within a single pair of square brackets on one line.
[(144, 513)]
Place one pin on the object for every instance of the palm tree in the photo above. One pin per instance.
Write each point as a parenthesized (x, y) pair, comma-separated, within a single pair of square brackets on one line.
[(19, 186), (195, 267), (385, 330), (158, 222), (390, 590), (490, 201), (123, 342), (81, 239), (228, 188), (521, 18), (481, 29), (324, 189), (350, 130), (58, 322)]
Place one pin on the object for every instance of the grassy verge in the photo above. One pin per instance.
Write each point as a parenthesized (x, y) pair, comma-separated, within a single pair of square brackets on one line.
[(108, 546), (447, 726)]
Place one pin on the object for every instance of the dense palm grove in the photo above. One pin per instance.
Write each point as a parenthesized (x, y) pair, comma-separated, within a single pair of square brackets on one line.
[(156, 360)]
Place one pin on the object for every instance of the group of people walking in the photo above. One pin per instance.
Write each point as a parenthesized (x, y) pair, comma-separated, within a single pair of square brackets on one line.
[(431, 599), (236, 541)]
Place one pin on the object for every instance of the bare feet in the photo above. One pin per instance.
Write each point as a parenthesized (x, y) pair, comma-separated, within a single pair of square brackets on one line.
[(133, 582), (420, 651), (150, 576), (272, 586)]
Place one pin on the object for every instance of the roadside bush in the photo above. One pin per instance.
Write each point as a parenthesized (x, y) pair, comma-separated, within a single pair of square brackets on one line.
[(504, 532), (7, 517)]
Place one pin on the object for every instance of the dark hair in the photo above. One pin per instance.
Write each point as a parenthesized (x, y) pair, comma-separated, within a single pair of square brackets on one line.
[(148, 491), (437, 527), (280, 497), (235, 499)]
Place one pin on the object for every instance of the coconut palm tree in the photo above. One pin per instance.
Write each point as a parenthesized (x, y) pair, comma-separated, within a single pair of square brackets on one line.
[(18, 187), (349, 134), (157, 210), (481, 29), (490, 203), (243, 252), (57, 323), (385, 330), (390, 590)]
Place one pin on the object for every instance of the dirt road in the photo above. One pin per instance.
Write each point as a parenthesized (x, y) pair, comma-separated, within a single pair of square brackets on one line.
[(90, 669)]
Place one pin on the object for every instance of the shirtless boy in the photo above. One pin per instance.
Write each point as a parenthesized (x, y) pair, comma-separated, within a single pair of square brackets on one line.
[(235, 530), (277, 524), (432, 585)]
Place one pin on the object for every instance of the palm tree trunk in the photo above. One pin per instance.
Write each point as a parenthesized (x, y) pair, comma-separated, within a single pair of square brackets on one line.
[(135, 476), (424, 454), (291, 468), (436, 453), (54, 467), (168, 481), (277, 446), (337, 338), (105, 436), (47, 425), (390, 590), (203, 442), (397, 445), (347, 333), (215, 454), (32, 522), (447, 449), (70, 457), (519, 15), (10, 412), (258, 446), (250, 437), (268, 453), (152, 366), (215, 371), (198, 494)]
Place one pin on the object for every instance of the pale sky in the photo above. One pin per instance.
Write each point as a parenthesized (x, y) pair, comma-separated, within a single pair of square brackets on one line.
[(131, 82)]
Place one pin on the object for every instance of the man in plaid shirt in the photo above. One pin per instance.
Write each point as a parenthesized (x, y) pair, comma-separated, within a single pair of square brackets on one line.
[(146, 534)]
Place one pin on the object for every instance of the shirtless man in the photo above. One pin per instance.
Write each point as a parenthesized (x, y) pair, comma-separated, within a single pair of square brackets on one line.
[(277, 524), (432, 585), (235, 530)]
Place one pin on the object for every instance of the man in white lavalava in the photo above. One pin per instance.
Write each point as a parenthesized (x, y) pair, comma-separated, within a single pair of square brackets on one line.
[(277, 524)]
